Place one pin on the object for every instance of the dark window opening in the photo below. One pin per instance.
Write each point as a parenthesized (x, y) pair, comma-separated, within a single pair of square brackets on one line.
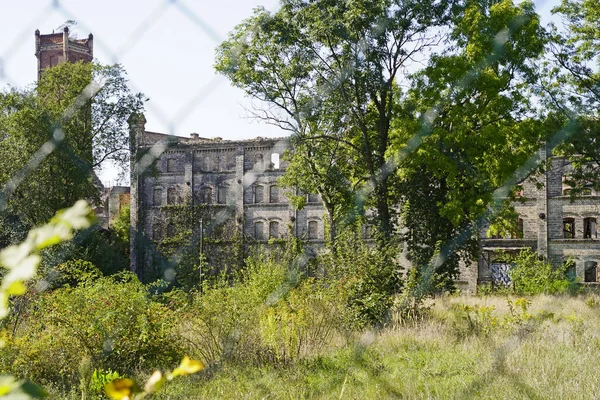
[(222, 195), (171, 165), (273, 194), (591, 271), (157, 197), (568, 228), (590, 228), (259, 193), (206, 195), (274, 229), (313, 198), (259, 231), (258, 162), (172, 196)]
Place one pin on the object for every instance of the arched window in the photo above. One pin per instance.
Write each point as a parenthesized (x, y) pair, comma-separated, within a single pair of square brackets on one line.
[(222, 195), (568, 228), (259, 231), (157, 197), (591, 271), (313, 230), (171, 165), (172, 197), (274, 229), (259, 193), (590, 228), (274, 194), (206, 195)]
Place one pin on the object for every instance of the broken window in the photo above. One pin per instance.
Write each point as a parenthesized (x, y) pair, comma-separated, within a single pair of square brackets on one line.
[(274, 229), (589, 228), (206, 195), (274, 194), (157, 197), (591, 271), (171, 165), (259, 193), (568, 228), (313, 230), (259, 231)]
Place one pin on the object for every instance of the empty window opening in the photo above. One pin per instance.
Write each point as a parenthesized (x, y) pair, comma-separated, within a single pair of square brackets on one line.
[(566, 188), (206, 195), (590, 228), (259, 193), (172, 196), (274, 194), (157, 197), (313, 230), (259, 231), (274, 229), (171, 165), (591, 271), (568, 228), (170, 230), (222, 195), (275, 161)]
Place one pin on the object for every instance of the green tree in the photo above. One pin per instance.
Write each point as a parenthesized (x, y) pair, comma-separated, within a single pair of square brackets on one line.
[(326, 71), (53, 135), (573, 89), (475, 125)]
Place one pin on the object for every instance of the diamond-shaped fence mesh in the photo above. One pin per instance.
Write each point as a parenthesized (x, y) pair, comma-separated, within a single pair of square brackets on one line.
[(175, 115)]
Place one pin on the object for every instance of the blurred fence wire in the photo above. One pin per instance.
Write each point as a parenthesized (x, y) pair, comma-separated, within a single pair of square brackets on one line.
[(198, 95)]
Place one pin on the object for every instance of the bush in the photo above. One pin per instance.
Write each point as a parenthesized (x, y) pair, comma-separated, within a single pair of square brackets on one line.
[(72, 273), (110, 321), (531, 276)]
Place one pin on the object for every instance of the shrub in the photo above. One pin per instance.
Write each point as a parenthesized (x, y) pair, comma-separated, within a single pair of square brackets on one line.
[(531, 276), (111, 321), (72, 273)]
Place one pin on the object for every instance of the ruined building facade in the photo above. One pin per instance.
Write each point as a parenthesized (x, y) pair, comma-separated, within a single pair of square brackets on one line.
[(228, 186)]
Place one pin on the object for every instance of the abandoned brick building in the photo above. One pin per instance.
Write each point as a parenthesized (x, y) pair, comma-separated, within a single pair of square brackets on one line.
[(233, 184), (54, 48)]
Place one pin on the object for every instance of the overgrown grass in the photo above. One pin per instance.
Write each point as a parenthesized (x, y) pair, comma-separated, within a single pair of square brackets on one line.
[(546, 349)]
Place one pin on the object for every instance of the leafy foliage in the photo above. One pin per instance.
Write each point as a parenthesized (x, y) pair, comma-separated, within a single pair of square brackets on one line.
[(531, 276)]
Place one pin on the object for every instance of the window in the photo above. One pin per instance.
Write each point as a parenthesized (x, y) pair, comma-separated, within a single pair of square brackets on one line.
[(313, 198), (568, 228), (259, 231), (222, 160), (519, 232), (590, 228), (258, 162), (591, 271), (274, 194), (274, 229), (172, 197), (275, 161), (222, 195), (566, 188), (313, 230), (259, 193), (206, 195), (171, 165), (157, 197), (206, 164)]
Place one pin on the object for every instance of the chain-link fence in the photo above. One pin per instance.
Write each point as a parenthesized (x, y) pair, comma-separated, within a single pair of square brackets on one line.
[(152, 171)]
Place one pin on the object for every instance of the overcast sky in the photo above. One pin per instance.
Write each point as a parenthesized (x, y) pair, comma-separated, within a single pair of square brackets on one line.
[(166, 46)]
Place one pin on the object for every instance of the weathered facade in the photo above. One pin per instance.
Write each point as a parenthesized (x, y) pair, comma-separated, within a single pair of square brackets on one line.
[(557, 227), (54, 48), (229, 186)]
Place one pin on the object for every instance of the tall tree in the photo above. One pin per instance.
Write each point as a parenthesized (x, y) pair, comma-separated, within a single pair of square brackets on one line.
[(476, 127), (344, 57), (573, 89), (52, 136)]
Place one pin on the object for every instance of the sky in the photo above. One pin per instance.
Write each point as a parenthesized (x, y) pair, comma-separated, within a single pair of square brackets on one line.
[(167, 48)]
